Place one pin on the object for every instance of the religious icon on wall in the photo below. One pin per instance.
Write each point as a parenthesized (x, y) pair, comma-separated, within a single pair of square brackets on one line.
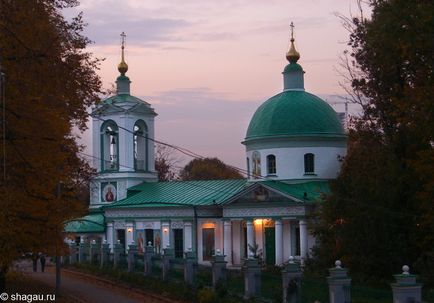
[(108, 191), (261, 194), (157, 242), (139, 239)]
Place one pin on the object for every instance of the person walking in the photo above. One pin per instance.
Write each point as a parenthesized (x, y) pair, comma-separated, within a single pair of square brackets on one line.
[(35, 262), (42, 260)]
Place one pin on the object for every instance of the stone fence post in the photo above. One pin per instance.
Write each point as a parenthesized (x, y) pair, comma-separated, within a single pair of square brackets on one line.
[(105, 253), (83, 250), (117, 250), (169, 254), (148, 255), (406, 290), (132, 251), (339, 284), (72, 252), (291, 282), (252, 277), (93, 252), (218, 264), (190, 266)]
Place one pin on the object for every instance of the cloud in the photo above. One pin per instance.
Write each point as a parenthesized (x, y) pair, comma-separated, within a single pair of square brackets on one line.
[(107, 19)]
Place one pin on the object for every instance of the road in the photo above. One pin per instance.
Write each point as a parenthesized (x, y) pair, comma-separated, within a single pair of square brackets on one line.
[(87, 289)]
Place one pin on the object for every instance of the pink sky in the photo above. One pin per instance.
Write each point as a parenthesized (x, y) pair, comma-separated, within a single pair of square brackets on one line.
[(205, 66)]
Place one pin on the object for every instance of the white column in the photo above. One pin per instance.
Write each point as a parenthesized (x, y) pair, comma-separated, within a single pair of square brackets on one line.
[(165, 241), (303, 239), (250, 236), (287, 251), (110, 233), (130, 233), (188, 236), (279, 241), (227, 245)]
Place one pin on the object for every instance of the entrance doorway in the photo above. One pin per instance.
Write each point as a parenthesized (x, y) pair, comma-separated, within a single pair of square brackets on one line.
[(270, 246), (149, 237), (120, 233), (179, 242), (207, 243)]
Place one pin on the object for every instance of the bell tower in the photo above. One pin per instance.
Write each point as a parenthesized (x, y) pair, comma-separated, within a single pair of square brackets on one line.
[(123, 141)]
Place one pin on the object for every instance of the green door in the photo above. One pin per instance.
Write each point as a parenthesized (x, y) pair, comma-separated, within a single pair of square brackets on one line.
[(270, 246)]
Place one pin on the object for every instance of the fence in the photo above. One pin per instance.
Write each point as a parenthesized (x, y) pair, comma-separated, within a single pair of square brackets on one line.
[(249, 282)]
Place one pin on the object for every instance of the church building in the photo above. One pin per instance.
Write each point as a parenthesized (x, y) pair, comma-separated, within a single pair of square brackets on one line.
[(293, 145)]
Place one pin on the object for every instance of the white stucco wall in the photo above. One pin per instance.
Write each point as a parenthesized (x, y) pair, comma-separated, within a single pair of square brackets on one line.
[(290, 162)]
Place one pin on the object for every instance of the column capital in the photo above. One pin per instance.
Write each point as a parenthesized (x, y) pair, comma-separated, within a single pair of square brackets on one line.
[(302, 222), (278, 221), (227, 223), (188, 223), (109, 224), (249, 221)]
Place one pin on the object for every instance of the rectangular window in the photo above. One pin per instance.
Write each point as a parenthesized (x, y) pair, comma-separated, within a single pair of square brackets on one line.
[(309, 163), (271, 164), (208, 243)]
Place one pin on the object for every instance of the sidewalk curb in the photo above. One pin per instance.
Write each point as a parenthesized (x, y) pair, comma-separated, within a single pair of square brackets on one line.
[(156, 298)]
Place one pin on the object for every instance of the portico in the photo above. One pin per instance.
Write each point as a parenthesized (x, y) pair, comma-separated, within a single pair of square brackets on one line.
[(272, 240)]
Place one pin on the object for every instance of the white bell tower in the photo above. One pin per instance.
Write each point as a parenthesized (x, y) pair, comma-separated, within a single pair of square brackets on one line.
[(123, 142)]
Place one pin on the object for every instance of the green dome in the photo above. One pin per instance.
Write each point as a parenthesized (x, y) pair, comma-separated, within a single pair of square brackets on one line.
[(294, 114)]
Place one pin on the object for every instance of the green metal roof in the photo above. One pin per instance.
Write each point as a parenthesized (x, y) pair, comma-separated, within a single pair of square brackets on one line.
[(292, 67), (314, 190), (93, 223), (180, 193), (294, 114), (122, 98)]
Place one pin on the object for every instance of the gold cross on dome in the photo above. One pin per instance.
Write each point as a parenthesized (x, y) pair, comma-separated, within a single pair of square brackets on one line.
[(123, 38), (292, 30)]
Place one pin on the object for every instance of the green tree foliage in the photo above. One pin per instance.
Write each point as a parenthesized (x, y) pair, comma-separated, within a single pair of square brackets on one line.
[(380, 214), (50, 81), (208, 169)]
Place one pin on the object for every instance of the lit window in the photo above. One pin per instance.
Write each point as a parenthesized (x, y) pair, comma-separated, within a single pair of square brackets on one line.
[(271, 164), (309, 163), (140, 146), (110, 146)]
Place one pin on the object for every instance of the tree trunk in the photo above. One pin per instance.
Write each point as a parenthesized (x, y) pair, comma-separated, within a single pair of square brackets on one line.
[(3, 271)]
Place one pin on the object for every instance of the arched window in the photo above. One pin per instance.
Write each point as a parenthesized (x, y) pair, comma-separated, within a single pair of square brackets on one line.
[(256, 161), (309, 164), (248, 167), (271, 164), (140, 146), (109, 146)]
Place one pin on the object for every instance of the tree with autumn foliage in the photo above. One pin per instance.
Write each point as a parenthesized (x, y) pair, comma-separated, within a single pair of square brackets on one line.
[(208, 169), (380, 214), (49, 83)]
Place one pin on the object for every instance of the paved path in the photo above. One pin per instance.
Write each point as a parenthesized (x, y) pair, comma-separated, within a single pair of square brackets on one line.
[(87, 289)]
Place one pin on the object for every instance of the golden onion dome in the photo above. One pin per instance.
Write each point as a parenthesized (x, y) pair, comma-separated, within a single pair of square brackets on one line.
[(123, 67), (292, 55)]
